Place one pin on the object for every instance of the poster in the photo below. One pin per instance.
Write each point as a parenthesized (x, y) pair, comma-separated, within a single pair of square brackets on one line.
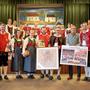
[(74, 55), (47, 58)]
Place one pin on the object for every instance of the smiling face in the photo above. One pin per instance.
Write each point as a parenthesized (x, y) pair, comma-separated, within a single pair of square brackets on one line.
[(9, 21), (73, 30), (19, 34), (43, 30), (58, 31), (32, 33), (2, 27), (84, 26)]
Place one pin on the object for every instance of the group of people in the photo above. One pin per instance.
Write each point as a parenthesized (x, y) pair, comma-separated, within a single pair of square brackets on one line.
[(19, 44)]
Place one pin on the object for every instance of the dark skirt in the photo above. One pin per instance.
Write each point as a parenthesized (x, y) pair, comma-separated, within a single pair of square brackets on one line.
[(18, 60), (88, 59), (30, 61)]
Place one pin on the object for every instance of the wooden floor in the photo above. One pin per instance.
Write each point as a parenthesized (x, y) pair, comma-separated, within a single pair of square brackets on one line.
[(44, 84)]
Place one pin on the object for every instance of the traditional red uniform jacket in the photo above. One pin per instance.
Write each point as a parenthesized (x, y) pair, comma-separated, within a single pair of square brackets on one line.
[(37, 30), (87, 38), (4, 39), (26, 28), (48, 30), (45, 38), (62, 32)]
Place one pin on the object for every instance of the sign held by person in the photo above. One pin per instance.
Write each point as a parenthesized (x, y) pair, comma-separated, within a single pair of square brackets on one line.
[(47, 58), (74, 55)]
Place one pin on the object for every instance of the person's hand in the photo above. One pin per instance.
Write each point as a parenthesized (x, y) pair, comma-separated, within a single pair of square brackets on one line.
[(59, 47), (7, 49)]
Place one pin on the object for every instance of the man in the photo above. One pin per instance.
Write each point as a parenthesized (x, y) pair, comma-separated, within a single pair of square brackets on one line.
[(44, 36), (4, 44), (42, 41), (85, 41), (72, 39)]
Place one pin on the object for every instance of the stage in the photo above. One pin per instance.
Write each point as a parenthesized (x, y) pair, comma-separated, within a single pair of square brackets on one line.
[(44, 84)]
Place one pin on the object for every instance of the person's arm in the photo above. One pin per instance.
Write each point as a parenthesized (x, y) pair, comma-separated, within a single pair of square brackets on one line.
[(12, 44), (25, 42), (78, 40), (9, 36), (23, 34), (6, 28), (67, 42), (13, 30), (37, 41)]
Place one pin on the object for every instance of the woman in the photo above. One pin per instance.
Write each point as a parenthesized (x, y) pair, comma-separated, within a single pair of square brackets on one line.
[(9, 27), (30, 60), (15, 28), (17, 53), (58, 42)]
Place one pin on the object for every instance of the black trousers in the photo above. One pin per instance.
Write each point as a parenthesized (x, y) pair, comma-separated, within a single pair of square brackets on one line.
[(71, 71), (3, 58), (88, 59)]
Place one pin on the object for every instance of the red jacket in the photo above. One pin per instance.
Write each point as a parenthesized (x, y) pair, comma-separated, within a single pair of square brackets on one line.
[(3, 41), (48, 30), (26, 28), (45, 38), (87, 39)]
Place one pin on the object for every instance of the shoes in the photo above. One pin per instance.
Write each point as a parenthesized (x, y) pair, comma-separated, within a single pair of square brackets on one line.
[(50, 77), (85, 79), (5, 77), (78, 78), (88, 79), (69, 78), (47, 75), (19, 77), (58, 77), (42, 76), (31, 77), (1, 77)]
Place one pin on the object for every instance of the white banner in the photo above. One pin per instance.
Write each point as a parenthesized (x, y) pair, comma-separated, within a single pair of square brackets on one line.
[(47, 58), (74, 55)]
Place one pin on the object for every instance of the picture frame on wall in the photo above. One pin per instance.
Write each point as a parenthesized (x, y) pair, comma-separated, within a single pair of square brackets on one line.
[(31, 14)]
